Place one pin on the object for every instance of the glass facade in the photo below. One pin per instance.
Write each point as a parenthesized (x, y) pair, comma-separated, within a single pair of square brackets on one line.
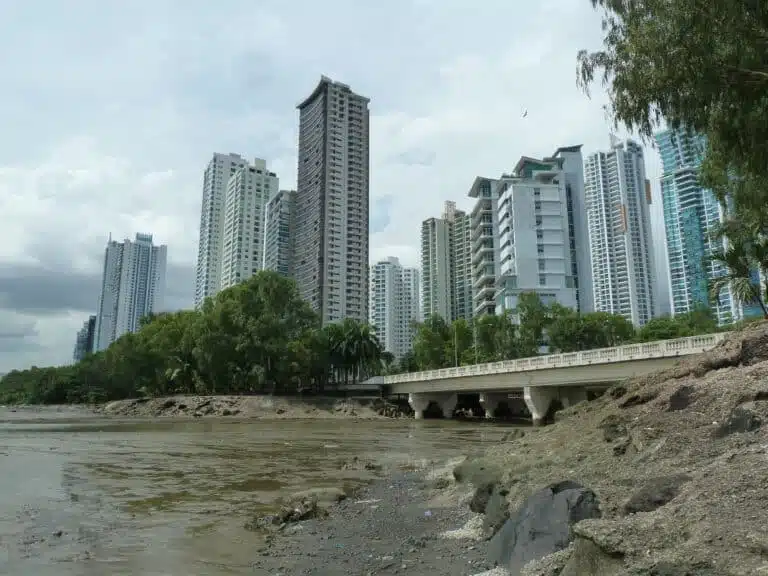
[(691, 215)]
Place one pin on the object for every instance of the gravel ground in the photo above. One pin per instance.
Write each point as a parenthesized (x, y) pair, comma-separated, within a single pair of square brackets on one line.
[(394, 526)]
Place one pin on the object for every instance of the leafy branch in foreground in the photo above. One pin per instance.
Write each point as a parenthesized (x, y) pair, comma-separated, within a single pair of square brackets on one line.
[(701, 65)]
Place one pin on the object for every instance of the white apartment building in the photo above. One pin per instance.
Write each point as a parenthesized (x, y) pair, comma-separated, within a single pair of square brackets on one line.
[(394, 305), (446, 265), (411, 302), (571, 161), (484, 244), (210, 245), (132, 286), (332, 202), (250, 179), (462, 305), (248, 192), (436, 268), (279, 242), (534, 238), (618, 212)]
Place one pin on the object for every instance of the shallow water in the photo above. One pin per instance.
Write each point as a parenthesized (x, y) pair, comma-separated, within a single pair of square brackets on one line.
[(82, 495)]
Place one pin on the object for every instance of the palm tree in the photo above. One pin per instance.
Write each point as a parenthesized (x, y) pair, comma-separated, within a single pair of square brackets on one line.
[(738, 258)]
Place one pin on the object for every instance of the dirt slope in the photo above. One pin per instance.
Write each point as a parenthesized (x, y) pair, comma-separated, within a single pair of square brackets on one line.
[(694, 436)]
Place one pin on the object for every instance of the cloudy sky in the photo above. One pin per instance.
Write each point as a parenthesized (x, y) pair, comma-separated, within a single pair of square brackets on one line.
[(111, 110)]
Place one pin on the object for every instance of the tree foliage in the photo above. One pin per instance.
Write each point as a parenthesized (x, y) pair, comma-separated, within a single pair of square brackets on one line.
[(259, 336), (698, 64), (701, 66), (535, 328)]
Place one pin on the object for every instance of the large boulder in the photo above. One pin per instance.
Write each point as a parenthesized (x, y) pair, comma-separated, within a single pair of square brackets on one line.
[(542, 525), (490, 497)]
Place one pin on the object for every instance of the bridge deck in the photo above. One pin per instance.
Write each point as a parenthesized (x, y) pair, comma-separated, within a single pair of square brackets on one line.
[(619, 354)]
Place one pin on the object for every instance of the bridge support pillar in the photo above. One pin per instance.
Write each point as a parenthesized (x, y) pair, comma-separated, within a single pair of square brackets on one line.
[(420, 401), (538, 399), (572, 396), (490, 402)]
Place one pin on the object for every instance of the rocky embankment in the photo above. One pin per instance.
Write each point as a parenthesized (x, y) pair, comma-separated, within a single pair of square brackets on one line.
[(251, 407), (665, 475)]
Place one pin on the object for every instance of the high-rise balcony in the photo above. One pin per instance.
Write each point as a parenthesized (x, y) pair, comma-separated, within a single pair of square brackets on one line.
[(484, 276), (483, 254)]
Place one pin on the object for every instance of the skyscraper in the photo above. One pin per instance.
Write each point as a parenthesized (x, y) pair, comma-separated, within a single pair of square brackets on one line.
[(535, 252), (281, 233), (446, 288), (232, 222), (84, 344), (248, 192), (618, 212), (212, 212), (571, 162), (132, 286), (332, 202), (461, 262), (485, 244), (691, 215), (394, 305)]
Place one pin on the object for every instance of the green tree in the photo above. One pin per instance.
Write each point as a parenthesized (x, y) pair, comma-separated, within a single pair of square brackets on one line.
[(258, 336), (696, 64), (431, 343), (534, 318), (495, 338), (459, 347)]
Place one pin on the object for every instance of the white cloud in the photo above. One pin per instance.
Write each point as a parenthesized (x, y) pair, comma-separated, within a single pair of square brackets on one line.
[(111, 114)]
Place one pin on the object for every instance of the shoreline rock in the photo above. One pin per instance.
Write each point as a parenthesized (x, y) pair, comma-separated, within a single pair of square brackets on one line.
[(252, 406)]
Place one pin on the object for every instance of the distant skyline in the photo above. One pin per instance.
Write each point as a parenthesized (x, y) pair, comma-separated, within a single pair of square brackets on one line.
[(101, 134)]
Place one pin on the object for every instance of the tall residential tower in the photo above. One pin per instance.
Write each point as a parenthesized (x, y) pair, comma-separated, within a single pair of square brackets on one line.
[(484, 245), (535, 253), (446, 265), (394, 305), (215, 180), (248, 192), (332, 202), (132, 286), (691, 215), (232, 222), (618, 212), (84, 344), (279, 245)]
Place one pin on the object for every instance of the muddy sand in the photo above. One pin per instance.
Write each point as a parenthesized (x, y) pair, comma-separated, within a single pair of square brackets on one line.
[(678, 462), (405, 524)]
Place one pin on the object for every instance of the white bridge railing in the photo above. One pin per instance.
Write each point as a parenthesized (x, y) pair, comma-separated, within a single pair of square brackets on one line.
[(644, 351)]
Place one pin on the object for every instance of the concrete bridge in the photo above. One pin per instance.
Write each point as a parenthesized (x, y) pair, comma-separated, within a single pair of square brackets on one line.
[(541, 380)]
